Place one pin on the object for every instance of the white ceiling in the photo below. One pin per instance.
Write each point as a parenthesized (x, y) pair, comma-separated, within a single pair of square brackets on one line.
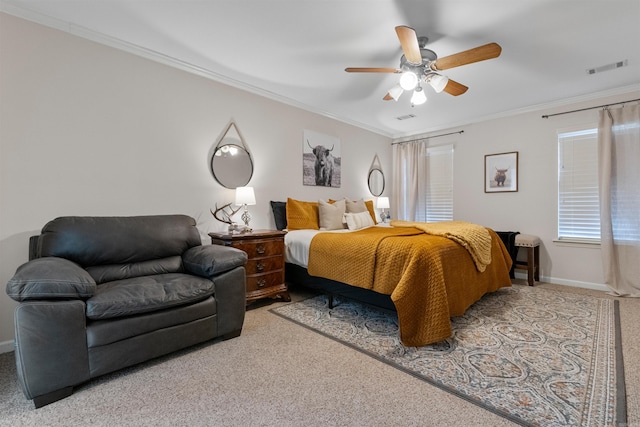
[(296, 51)]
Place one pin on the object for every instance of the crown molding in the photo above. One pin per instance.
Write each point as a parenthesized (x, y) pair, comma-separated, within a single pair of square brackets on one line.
[(103, 39), (530, 109)]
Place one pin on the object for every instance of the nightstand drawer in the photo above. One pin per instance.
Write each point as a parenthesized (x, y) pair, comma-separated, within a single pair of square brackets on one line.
[(264, 265), (264, 281), (261, 248)]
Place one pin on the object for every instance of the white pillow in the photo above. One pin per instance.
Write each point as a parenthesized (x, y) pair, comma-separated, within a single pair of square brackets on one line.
[(356, 221), (330, 214)]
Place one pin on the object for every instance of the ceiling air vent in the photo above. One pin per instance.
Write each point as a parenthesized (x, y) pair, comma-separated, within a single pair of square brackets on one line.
[(408, 116), (608, 67)]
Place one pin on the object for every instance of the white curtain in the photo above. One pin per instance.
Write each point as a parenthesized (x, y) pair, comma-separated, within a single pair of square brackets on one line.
[(409, 180), (619, 182)]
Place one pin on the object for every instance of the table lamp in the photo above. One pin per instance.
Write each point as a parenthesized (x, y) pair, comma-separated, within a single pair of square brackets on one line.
[(383, 203)]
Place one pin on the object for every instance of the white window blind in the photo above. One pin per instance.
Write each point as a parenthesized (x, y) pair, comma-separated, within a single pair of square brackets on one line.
[(439, 183), (578, 202)]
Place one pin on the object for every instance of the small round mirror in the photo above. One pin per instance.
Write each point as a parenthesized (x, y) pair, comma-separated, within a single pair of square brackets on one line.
[(376, 182), (232, 165)]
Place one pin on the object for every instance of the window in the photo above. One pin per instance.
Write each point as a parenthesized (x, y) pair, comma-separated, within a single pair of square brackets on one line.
[(423, 181), (439, 188), (578, 200)]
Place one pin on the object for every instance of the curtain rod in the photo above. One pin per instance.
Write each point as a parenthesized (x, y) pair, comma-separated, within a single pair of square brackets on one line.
[(428, 137), (590, 108)]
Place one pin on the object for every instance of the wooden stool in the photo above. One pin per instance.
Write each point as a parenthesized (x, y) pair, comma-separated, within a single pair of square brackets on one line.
[(532, 264)]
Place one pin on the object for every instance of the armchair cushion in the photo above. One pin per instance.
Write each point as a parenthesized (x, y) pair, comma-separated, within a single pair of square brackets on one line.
[(211, 260), (50, 278), (146, 294)]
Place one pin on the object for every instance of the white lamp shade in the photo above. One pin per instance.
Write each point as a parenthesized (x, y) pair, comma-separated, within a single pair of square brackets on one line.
[(418, 96), (382, 203), (395, 92), (245, 196), (437, 82), (408, 80)]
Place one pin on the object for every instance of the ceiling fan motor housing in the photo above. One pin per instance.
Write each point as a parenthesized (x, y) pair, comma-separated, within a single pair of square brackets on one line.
[(428, 56)]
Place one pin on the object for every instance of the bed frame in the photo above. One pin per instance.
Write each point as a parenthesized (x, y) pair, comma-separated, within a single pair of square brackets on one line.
[(298, 276)]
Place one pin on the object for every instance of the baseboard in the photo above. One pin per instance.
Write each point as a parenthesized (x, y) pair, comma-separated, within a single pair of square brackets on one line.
[(565, 282), (6, 346), (577, 284)]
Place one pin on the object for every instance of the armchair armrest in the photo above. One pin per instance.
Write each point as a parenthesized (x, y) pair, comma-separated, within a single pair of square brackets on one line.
[(50, 278), (51, 348), (212, 260)]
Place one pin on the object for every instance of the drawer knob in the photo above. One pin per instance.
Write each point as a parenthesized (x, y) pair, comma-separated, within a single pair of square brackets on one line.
[(262, 283), (261, 249), (260, 266)]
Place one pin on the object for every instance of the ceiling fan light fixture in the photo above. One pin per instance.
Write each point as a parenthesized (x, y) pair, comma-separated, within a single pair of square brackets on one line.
[(408, 80), (395, 92), (418, 97), (437, 82)]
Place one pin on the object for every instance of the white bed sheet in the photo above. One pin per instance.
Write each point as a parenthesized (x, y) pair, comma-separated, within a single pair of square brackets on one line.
[(297, 243), (296, 246)]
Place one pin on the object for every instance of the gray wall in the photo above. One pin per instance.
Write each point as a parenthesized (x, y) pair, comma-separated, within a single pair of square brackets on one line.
[(90, 130)]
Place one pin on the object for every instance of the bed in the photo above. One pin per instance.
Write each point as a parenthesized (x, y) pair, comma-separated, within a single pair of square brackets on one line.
[(427, 273)]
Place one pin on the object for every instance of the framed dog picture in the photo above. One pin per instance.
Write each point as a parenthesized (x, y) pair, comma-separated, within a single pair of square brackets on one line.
[(501, 172)]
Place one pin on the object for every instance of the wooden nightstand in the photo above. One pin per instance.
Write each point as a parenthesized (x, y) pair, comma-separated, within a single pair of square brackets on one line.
[(265, 267)]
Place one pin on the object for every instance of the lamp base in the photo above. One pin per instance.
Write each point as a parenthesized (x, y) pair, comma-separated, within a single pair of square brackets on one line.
[(246, 216)]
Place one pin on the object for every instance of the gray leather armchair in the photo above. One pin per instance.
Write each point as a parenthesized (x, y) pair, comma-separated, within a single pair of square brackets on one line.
[(102, 293)]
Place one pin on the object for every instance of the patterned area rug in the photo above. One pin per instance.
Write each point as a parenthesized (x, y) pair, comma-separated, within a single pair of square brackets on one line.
[(535, 356)]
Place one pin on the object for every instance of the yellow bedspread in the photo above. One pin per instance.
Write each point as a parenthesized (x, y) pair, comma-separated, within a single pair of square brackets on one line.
[(473, 237), (430, 278)]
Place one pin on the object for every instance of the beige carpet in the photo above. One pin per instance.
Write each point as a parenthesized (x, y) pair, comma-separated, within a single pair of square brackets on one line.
[(275, 373)]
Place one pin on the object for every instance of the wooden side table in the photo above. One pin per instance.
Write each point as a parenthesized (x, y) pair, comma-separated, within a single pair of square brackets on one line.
[(265, 267), (532, 264)]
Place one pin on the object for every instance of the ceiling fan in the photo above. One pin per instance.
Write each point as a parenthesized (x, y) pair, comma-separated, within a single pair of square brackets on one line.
[(419, 64)]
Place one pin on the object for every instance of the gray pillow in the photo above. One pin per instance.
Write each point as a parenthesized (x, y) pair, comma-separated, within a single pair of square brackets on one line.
[(355, 206), (50, 278)]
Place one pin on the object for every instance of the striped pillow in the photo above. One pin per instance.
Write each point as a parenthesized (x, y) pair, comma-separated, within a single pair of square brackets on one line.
[(356, 221)]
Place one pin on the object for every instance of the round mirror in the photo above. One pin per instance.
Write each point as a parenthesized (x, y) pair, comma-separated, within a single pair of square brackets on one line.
[(376, 182), (231, 164)]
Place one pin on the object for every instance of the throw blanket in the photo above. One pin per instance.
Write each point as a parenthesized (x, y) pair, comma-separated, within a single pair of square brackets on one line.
[(429, 278), (474, 238)]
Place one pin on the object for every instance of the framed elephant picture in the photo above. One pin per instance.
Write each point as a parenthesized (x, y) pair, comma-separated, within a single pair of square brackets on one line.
[(501, 172)]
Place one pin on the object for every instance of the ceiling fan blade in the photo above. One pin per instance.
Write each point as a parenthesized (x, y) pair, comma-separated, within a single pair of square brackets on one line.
[(388, 97), (409, 42), (480, 53), (454, 88), (371, 70)]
